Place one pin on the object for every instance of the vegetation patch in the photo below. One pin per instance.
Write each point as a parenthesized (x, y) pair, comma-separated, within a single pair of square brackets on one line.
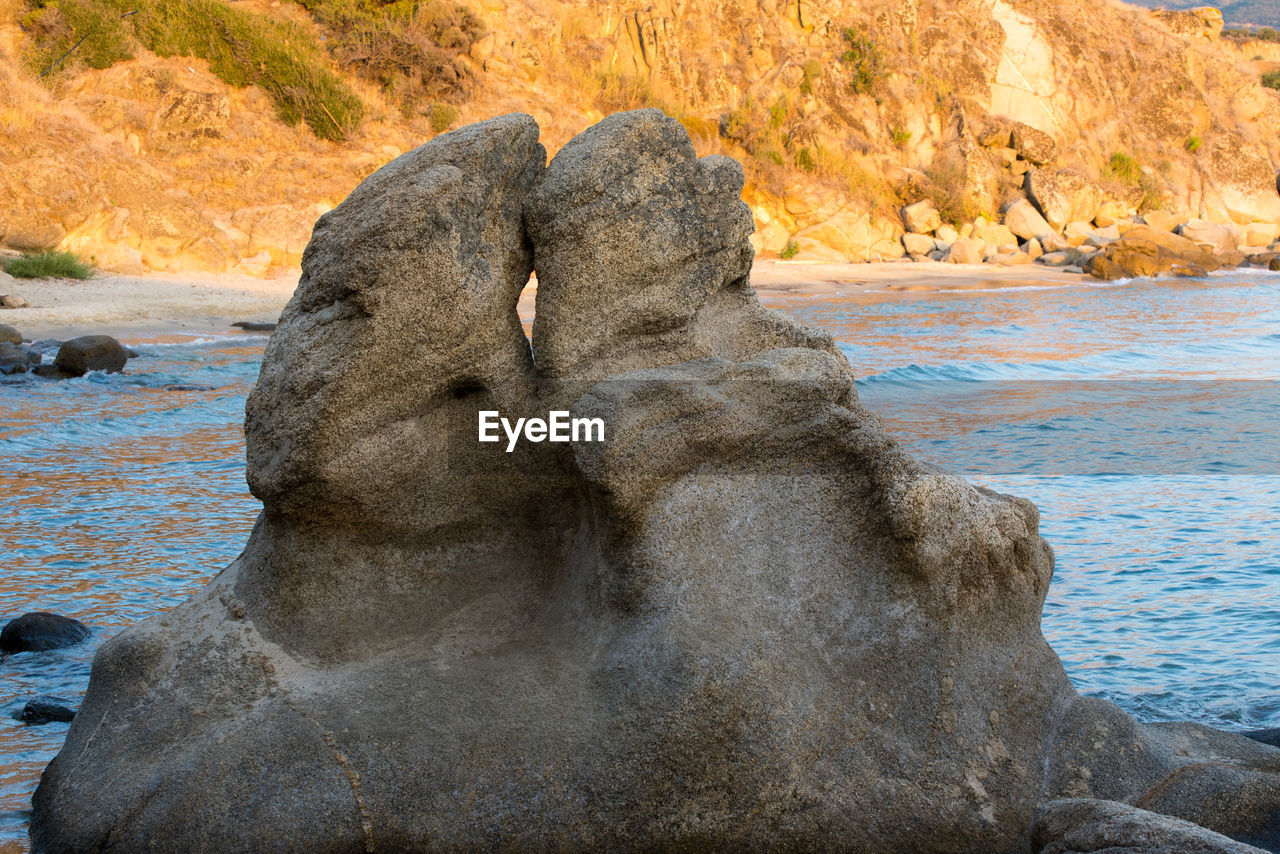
[(789, 251), (865, 60), (1193, 143), (1124, 168), (1271, 80), (410, 48), (242, 48), (47, 265)]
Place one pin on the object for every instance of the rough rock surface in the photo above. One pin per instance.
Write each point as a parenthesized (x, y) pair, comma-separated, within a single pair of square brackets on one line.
[(1025, 221), (91, 353), (746, 620), (1063, 196), (9, 335), (1144, 251), (1080, 825), (17, 360)]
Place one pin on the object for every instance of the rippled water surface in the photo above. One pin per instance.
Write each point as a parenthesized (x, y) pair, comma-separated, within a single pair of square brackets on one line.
[(1139, 417)]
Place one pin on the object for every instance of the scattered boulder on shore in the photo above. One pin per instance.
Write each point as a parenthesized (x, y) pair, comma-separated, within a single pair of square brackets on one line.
[(38, 631), (254, 326), (16, 360), (1144, 251), (9, 335), (46, 709), (747, 619), (91, 353), (12, 301), (1063, 196)]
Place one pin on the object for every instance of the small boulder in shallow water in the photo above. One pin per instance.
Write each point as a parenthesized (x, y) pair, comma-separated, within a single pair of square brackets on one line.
[(46, 709), (40, 630), (17, 360), (254, 326), (91, 353), (9, 335)]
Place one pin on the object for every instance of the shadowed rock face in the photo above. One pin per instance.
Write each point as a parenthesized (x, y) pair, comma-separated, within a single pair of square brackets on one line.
[(745, 620)]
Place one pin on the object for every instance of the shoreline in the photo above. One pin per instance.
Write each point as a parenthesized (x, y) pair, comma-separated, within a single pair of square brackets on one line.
[(141, 307)]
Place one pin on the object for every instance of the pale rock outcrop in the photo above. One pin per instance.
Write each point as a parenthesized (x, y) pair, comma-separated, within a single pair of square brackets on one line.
[(1022, 140), (1215, 237), (1063, 196), (852, 236), (921, 217), (1162, 220), (966, 250), (747, 620), (917, 244), (994, 234), (1261, 233), (1203, 23), (1022, 218), (1241, 178)]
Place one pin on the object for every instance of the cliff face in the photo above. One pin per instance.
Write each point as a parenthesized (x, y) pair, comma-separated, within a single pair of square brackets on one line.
[(844, 112)]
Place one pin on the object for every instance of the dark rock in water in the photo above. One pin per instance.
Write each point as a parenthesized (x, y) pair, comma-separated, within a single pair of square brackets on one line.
[(17, 360), (1078, 825), (1266, 736), (91, 353), (50, 372), (254, 326), (188, 387), (45, 709), (1274, 264), (9, 335), (746, 620), (40, 630)]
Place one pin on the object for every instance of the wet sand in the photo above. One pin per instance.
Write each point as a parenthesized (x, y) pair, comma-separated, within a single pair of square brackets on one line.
[(131, 306)]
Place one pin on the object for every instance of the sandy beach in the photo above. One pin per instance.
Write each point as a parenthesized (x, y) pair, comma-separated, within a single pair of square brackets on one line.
[(139, 306)]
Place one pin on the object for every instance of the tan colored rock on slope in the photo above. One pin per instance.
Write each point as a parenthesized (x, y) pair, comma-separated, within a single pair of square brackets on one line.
[(155, 163), (746, 620)]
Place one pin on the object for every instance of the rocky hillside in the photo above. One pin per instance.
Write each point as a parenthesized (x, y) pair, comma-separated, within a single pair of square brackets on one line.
[(203, 134), (1249, 13)]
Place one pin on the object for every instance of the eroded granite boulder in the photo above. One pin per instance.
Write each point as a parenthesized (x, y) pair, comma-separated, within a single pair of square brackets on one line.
[(746, 620)]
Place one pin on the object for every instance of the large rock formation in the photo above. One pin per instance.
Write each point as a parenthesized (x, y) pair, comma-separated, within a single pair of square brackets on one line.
[(745, 620)]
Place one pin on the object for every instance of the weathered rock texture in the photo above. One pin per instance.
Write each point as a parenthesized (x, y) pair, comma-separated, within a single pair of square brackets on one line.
[(747, 620)]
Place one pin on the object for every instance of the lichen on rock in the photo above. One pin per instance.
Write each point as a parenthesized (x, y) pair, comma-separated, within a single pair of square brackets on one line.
[(746, 620)]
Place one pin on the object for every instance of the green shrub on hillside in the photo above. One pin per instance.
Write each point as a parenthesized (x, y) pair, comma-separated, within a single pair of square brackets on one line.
[(1124, 168), (1193, 143), (1271, 80), (441, 116), (1263, 34), (789, 251), (408, 47), (865, 60), (242, 48), (47, 265)]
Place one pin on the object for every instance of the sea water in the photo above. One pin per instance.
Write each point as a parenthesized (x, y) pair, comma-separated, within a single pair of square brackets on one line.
[(1140, 417)]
